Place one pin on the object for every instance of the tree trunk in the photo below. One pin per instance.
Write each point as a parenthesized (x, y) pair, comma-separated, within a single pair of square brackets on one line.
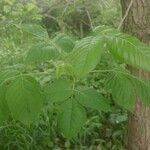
[(137, 23)]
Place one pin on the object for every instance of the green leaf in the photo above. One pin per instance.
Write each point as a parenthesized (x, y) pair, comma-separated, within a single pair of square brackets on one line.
[(142, 89), (92, 99), (64, 69), (41, 53), (5, 76), (4, 110), (59, 90), (8, 74), (71, 118), (125, 48), (122, 91), (65, 42), (127, 86), (24, 99), (128, 49), (35, 30), (104, 30), (86, 55)]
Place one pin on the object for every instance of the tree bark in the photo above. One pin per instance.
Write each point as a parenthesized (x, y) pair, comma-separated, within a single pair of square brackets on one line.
[(137, 23)]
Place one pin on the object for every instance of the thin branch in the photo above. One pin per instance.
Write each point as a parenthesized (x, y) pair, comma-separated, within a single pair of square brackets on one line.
[(126, 14), (90, 19)]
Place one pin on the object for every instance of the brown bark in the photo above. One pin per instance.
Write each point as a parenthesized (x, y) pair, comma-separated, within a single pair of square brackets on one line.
[(137, 23)]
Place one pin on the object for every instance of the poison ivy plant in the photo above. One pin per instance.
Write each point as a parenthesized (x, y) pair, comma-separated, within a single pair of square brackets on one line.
[(72, 102), (22, 95)]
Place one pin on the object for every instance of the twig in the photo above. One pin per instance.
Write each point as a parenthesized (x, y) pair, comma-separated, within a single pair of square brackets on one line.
[(90, 19), (126, 14)]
